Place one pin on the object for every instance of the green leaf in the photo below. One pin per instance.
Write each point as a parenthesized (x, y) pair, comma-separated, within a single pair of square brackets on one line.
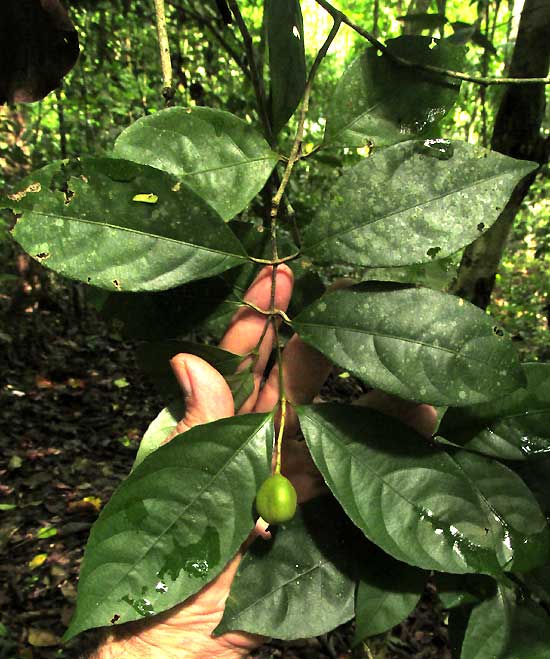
[(403, 206), (82, 222), (535, 474), (299, 584), (416, 343), (438, 274), (516, 427), (171, 527), (456, 590), (204, 306), (287, 62), (219, 156), (159, 429), (507, 628), (407, 495), (386, 593), (519, 527), (393, 477), (381, 102)]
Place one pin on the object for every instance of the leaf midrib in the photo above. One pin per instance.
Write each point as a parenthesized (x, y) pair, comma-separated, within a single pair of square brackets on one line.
[(395, 338), (73, 218), (351, 454), (192, 502), (247, 161), (399, 211)]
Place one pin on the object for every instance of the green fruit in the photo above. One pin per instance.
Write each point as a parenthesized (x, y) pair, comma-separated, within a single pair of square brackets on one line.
[(276, 500)]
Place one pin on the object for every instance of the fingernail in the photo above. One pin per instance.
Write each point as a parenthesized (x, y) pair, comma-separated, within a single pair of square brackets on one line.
[(182, 375)]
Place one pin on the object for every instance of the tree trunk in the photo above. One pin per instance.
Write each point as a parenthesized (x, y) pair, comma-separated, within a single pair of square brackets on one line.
[(517, 133)]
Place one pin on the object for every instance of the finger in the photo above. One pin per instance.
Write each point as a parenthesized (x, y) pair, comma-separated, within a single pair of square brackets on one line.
[(207, 395), (421, 417), (305, 370), (247, 325)]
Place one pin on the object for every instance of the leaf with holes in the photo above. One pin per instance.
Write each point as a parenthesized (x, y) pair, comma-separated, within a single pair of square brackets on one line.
[(158, 542), (80, 219), (406, 205), (416, 343), (219, 156), (381, 102)]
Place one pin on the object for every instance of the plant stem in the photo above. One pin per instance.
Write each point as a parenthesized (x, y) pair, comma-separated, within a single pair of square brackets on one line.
[(275, 204), (297, 145), (165, 59), (282, 402), (284, 259), (484, 81)]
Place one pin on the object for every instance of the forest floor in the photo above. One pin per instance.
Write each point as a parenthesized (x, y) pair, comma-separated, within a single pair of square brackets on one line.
[(73, 407)]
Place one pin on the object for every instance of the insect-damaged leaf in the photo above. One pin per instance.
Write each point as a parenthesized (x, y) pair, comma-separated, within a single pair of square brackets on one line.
[(80, 219)]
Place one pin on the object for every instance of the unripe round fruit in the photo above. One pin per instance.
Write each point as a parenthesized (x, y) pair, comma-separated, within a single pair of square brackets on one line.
[(276, 500)]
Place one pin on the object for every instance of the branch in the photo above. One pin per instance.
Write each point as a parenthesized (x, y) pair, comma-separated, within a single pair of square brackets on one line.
[(484, 81), (297, 145), (165, 60)]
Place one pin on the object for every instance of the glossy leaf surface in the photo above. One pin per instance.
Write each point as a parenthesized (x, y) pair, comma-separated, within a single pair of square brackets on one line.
[(506, 627), (406, 205), (299, 584), (80, 219), (513, 428), (173, 524), (218, 155), (387, 592), (381, 102), (287, 63), (519, 527), (408, 496), (415, 343)]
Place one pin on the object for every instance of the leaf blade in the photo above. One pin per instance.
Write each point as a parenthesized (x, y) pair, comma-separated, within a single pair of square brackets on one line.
[(307, 562), (218, 155), (415, 504), (403, 192), (83, 223), (381, 102), (156, 543), (287, 63), (416, 353)]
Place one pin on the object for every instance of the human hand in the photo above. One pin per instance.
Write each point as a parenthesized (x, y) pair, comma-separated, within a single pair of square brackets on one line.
[(186, 630)]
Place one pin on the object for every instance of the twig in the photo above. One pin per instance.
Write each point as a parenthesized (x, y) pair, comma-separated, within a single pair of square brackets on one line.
[(269, 312), (165, 60), (484, 81), (297, 145)]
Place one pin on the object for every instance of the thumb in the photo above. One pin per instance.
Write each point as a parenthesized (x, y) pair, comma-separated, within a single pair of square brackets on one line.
[(207, 395)]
